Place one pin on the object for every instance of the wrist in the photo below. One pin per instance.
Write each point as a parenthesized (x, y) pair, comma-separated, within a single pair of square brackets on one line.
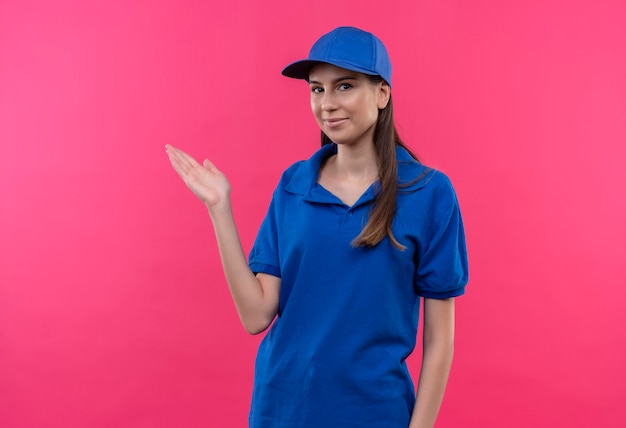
[(220, 209)]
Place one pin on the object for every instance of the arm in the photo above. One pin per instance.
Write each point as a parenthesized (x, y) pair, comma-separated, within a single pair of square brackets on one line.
[(255, 297), (438, 349)]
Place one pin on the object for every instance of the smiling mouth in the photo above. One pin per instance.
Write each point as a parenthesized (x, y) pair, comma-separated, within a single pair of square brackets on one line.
[(334, 123)]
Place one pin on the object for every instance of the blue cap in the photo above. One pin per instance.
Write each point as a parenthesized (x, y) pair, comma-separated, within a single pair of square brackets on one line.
[(349, 48)]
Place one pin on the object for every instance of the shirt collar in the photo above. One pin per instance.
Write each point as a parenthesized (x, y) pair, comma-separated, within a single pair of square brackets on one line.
[(305, 176), (304, 179)]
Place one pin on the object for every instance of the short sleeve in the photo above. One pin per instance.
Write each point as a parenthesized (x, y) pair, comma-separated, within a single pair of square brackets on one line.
[(264, 255), (442, 267)]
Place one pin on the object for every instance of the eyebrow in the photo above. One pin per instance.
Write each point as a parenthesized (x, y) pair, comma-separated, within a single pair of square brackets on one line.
[(337, 80)]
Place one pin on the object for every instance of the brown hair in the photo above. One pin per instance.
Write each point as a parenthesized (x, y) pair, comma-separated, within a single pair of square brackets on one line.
[(386, 139)]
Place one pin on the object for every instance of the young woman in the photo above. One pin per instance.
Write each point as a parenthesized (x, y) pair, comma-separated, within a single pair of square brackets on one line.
[(353, 238)]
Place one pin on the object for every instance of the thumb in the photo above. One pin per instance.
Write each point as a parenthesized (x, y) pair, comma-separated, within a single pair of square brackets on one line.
[(209, 165)]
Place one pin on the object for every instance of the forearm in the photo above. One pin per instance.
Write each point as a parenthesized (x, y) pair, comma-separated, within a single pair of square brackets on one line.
[(434, 373), (255, 306), (438, 346), (256, 299)]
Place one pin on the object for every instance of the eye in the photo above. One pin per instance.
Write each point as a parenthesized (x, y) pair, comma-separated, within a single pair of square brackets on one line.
[(344, 86), (317, 89)]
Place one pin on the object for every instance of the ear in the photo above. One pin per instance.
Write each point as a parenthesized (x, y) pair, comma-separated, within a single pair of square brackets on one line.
[(384, 92)]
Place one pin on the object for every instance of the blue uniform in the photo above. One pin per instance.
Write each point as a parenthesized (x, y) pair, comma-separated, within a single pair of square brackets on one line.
[(347, 318)]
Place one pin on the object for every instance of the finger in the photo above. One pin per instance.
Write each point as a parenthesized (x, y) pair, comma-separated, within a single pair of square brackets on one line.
[(180, 170), (175, 160), (210, 166), (185, 161), (181, 165), (176, 155), (188, 159), (171, 150)]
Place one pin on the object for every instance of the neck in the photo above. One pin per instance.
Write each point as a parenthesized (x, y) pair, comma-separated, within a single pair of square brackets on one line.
[(356, 161)]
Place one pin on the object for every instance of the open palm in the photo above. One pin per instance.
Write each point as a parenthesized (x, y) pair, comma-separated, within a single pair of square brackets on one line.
[(205, 180)]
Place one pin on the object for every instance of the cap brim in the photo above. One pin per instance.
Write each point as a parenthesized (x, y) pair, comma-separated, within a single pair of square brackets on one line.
[(301, 69)]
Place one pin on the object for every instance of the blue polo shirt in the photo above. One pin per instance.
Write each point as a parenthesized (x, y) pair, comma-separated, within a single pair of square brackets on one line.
[(347, 318)]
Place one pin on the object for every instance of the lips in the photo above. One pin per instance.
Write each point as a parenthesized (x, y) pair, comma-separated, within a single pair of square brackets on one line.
[(335, 122)]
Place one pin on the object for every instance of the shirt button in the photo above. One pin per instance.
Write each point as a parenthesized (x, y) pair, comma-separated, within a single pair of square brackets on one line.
[(350, 214)]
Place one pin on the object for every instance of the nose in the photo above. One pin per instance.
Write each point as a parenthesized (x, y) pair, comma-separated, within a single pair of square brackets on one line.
[(328, 101)]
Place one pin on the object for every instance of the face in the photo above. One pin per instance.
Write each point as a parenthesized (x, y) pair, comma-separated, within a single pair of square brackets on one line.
[(346, 103)]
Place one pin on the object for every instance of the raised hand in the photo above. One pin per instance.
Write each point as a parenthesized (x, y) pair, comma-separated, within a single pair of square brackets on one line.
[(256, 299), (205, 181)]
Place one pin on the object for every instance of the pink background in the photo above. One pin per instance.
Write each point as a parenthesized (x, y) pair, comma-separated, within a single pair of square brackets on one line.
[(113, 306)]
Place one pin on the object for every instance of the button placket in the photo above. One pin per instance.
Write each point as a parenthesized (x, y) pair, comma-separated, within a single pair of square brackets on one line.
[(347, 220)]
